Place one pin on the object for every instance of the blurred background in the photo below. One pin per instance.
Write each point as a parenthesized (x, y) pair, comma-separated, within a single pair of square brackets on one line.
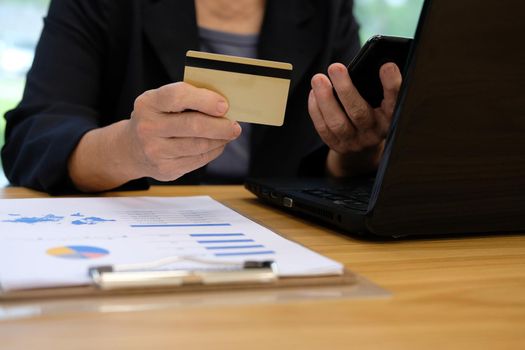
[(21, 23)]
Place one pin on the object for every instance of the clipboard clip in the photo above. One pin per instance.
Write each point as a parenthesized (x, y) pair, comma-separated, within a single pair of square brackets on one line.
[(111, 277)]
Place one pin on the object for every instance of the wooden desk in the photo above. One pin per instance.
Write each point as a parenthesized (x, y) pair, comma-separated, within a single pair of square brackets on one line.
[(464, 293)]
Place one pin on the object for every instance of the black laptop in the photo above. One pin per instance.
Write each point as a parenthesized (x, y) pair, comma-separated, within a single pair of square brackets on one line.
[(455, 156)]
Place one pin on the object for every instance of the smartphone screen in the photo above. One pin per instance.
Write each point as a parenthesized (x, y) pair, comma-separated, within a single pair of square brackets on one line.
[(364, 68)]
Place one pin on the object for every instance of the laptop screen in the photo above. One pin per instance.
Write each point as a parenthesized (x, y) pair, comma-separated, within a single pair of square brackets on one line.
[(457, 148)]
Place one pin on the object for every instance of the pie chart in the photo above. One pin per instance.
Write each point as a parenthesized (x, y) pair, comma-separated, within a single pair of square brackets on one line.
[(77, 252)]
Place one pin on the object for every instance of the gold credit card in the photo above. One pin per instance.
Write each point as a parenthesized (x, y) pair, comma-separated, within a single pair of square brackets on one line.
[(256, 90)]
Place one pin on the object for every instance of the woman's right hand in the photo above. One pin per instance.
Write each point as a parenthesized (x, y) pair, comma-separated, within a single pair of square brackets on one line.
[(176, 129), (173, 130)]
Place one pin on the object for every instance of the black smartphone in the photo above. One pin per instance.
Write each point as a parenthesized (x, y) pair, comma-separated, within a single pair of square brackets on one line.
[(364, 68)]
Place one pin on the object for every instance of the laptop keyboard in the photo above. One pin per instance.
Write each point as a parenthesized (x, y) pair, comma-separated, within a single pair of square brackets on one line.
[(355, 198)]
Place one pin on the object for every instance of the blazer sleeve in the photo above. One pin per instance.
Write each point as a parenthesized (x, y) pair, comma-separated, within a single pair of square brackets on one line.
[(61, 100)]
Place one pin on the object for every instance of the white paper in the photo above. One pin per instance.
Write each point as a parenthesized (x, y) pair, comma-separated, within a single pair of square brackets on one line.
[(37, 234)]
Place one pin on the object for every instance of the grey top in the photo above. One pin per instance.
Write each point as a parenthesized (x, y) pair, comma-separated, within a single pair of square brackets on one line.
[(233, 164)]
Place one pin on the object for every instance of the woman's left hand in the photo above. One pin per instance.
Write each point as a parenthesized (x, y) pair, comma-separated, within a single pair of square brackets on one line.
[(354, 131)]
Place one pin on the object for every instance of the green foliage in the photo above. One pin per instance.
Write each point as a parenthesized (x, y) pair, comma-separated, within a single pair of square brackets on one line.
[(389, 17), (10, 94), (5, 105), (23, 2)]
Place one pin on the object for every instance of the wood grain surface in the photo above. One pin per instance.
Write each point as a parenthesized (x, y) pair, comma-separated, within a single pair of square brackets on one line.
[(453, 293)]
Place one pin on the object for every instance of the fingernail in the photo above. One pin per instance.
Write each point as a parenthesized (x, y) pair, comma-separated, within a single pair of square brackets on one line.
[(222, 107), (317, 83), (236, 129), (391, 68), (340, 68)]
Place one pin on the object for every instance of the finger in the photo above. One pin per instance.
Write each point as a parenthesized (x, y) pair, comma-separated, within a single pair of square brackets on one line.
[(189, 124), (357, 109), (325, 133), (172, 148), (169, 170), (391, 80), (331, 111), (191, 163), (195, 124), (180, 96)]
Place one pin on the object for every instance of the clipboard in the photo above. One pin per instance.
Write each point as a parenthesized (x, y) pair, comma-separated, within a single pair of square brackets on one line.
[(206, 228), (108, 281)]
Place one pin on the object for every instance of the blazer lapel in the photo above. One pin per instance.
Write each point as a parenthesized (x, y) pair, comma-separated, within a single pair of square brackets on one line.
[(291, 33), (171, 27)]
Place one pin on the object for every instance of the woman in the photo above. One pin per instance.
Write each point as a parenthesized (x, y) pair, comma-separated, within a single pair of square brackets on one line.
[(104, 105)]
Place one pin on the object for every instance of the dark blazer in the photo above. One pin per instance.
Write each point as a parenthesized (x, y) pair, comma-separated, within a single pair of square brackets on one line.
[(95, 57)]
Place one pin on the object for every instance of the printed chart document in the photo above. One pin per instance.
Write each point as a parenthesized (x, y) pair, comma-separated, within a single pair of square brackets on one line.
[(51, 242)]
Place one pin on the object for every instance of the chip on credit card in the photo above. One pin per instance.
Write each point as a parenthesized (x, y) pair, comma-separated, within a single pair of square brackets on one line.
[(256, 90)]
